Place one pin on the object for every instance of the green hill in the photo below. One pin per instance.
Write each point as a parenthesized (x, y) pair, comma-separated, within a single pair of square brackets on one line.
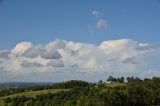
[(134, 92), (31, 94), (34, 93)]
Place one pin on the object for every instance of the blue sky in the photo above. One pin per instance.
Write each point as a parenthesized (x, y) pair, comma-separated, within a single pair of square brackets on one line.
[(41, 21), (57, 40)]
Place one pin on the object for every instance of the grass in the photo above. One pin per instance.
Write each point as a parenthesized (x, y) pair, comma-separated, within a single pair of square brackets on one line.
[(112, 85), (31, 94), (1, 103)]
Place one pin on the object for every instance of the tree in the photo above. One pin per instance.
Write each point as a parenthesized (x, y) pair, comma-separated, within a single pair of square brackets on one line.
[(110, 78), (100, 81), (122, 80), (7, 100)]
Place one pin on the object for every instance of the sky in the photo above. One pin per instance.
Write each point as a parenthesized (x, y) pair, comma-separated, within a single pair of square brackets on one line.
[(57, 40)]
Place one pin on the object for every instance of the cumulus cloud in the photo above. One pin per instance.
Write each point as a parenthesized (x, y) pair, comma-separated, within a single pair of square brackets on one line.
[(53, 54), (117, 57), (74, 65), (27, 49), (28, 64), (3, 71), (96, 13), (57, 44), (34, 51), (1, 68), (147, 47), (131, 60), (55, 63), (4, 54), (51, 50), (21, 48), (101, 23)]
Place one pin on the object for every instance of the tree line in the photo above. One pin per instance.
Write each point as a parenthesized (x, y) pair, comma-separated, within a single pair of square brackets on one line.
[(134, 92)]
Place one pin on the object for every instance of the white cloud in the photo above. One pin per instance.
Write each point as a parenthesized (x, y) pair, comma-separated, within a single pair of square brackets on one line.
[(28, 64), (21, 48), (28, 50), (4, 54), (51, 54), (55, 63), (96, 13), (117, 57), (101, 23), (131, 60)]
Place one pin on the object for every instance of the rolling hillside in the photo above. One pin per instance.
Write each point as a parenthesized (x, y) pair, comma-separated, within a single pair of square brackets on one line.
[(31, 94)]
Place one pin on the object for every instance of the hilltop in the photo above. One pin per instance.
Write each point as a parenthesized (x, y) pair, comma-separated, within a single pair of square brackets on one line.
[(114, 92)]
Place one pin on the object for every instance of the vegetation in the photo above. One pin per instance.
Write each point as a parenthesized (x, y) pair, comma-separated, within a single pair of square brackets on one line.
[(132, 92), (34, 93)]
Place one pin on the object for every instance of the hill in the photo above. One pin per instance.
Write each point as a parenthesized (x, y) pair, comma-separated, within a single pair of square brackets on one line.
[(134, 92), (32, 94)]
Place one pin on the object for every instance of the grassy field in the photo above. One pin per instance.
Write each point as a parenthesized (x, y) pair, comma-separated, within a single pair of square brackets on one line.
[(112, 85), (1, 103), (32, 94)]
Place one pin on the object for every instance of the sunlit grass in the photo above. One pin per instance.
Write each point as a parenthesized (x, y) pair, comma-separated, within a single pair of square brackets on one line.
[(32, 94)]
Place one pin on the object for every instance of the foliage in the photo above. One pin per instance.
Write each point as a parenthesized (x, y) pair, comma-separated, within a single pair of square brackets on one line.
[(135, 92)]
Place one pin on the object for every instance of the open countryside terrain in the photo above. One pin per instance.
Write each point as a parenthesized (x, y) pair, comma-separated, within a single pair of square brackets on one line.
[(31, 94), (115, 92), (34, 93)]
